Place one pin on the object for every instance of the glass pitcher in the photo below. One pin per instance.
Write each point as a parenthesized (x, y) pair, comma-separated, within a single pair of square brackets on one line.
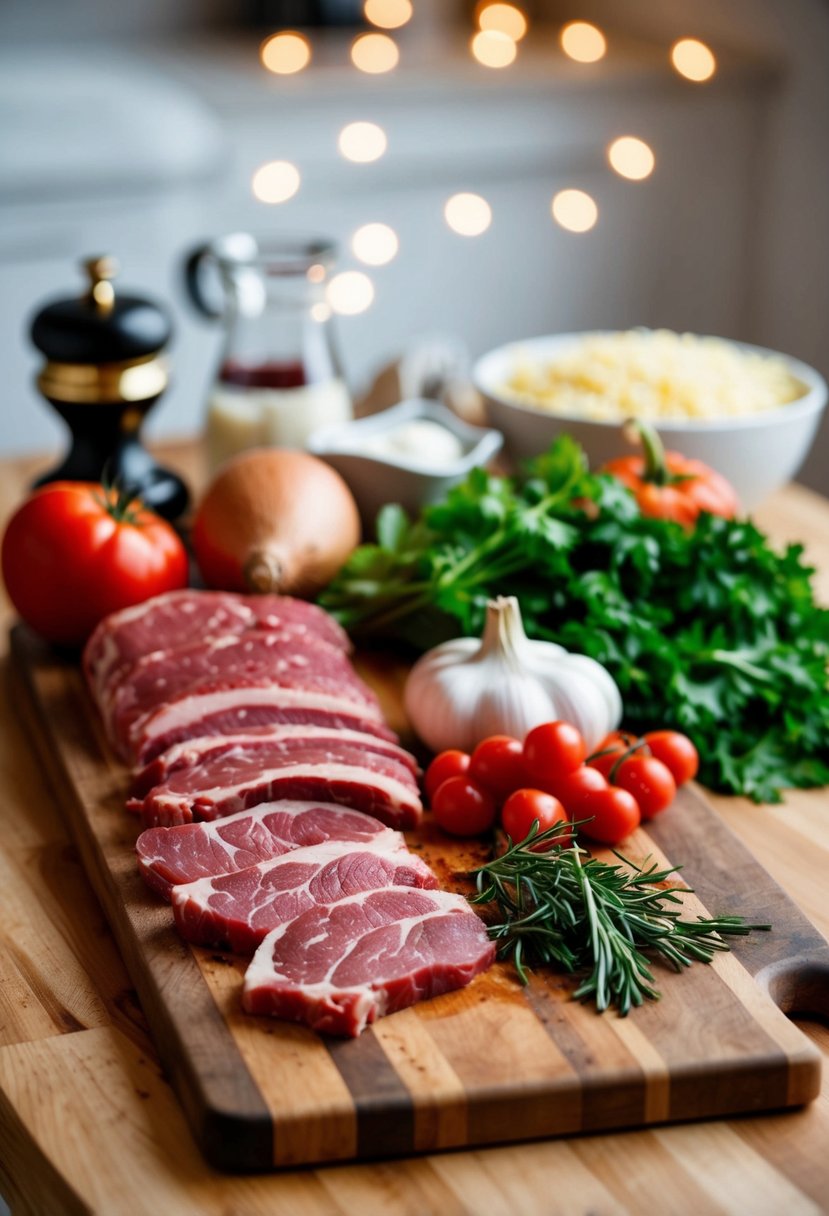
[(278, 377)]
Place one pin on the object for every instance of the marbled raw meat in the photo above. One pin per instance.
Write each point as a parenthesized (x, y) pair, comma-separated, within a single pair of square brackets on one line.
[(195, 752), (298, 668), (338, 967), (331, 769), (168, 622), (170, 856), (236, 911)]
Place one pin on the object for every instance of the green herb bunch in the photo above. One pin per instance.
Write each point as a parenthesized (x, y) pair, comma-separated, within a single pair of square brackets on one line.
[(601, 921), (710, 632)]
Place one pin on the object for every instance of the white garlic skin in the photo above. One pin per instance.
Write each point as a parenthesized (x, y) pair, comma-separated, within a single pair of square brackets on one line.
[(461, 692)]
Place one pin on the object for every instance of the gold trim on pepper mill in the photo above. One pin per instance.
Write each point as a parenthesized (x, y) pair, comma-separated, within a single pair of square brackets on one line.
[(105, 383)]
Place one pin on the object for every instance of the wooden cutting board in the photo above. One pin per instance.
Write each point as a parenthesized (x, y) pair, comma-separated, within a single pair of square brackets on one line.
[(494, 1062)]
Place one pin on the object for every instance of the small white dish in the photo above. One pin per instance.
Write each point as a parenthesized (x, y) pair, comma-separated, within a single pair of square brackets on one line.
[(375, 479), (757, 453)]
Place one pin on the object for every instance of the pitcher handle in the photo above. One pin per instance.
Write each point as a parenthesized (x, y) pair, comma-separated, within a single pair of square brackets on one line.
[(191, 268)]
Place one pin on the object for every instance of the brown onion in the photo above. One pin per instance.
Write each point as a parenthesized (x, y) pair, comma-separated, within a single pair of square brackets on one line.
[(275, 520)]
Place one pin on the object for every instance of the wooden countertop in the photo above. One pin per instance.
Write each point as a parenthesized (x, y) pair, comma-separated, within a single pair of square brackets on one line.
[(88, 1123)]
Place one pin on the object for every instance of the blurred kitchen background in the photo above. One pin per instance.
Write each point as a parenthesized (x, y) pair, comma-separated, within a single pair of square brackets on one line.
[(142, 129)]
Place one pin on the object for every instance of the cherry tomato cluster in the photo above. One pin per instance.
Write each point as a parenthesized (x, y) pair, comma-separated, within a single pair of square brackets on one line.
[(550, 778)]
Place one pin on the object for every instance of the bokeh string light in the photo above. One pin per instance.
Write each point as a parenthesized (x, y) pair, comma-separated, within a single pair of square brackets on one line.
[(575, 210), (374, 53), (503, 18), (467, 214), (362, 142), (276, 181), (493, 49), (388, 14), (285, 53), (350, 292), (375, 244), (583, 42), (693, 60), (631, 157)]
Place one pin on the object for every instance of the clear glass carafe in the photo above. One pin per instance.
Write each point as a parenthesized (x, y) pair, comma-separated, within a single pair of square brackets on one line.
[(278, 377)]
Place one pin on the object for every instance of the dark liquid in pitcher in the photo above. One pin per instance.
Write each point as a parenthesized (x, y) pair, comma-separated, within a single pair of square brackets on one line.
[(276, 373)]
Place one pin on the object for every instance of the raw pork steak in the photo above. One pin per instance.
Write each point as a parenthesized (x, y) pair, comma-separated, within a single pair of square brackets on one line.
[(341, 966), (236, 911), (230, 711), (169, 856), (195, 752), (252, 660), (179, 618), (331, 769)]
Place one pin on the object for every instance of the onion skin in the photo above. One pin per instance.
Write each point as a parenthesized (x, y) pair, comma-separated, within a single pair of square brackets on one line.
[(275, 520)]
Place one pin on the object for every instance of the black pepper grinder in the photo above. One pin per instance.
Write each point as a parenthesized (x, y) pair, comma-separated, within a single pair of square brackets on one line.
[(104, 373)]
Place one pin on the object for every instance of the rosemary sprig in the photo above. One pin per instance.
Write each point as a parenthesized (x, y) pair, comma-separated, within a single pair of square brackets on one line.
[(559, 905)]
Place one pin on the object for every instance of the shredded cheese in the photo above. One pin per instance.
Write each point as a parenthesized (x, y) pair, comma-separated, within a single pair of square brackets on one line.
[(654, 374)]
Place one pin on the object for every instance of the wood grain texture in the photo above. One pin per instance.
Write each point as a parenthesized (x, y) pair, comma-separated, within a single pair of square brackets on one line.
[(41, 1172), (503, 1063)]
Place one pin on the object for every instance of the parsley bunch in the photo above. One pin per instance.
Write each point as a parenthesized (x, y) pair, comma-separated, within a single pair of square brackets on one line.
[(710, 632)]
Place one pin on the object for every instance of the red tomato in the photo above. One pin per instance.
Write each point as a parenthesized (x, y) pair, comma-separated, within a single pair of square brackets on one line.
[(611, 750), (525, 807), (447, 764), (498, 765), (553, 750), (614, 815), (74, 552), (574, 788), (463, 808), (650, 782), (676, 751)]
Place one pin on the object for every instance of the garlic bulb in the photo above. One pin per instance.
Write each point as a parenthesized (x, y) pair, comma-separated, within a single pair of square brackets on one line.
[(461, 692)]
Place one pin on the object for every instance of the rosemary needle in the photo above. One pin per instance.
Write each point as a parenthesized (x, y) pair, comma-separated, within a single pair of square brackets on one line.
[(602, 921)]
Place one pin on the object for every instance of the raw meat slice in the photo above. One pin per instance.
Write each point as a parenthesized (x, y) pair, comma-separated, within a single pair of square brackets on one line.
[(176, 619), (332, 770), (255, 659), (169, 856), (232, 709), (338, 967), (195, 752), (236, 911)]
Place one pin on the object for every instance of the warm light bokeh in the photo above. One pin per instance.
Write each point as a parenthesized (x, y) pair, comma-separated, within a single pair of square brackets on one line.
[(468, 214), (362, 142), (388, 14), (350, 293), (276, 181), (375, 244), (693, 59), (504, 19), (583, 41), (575, 210), (285, 53), (374, 53), (492, 49), (631, 157)]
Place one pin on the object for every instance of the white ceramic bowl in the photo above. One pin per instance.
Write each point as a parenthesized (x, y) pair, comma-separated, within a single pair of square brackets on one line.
[(375, 480), (757, 454)]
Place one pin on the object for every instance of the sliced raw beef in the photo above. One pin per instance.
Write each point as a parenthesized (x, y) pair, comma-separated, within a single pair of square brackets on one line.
[(332, 770), (178, 618), (253, 660), (340, 966), (233, 710), (236, 911), (169, 856), (196, 752)]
